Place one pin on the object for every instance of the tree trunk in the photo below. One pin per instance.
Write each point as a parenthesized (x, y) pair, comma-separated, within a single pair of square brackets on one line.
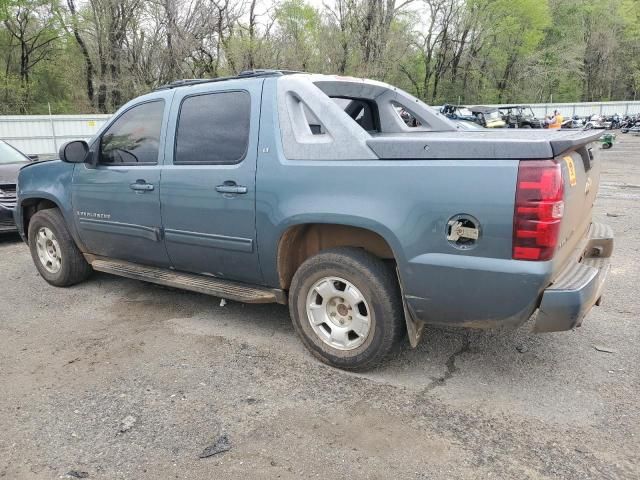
[(85, 52), (252, 36)]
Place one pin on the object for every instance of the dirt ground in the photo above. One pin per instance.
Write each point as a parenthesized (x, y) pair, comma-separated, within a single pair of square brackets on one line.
[(118, 379)]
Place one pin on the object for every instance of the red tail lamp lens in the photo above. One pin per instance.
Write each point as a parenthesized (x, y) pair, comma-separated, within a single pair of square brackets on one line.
[(538, 211)]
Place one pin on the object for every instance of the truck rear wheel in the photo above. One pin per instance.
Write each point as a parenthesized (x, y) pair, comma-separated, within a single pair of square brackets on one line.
[(54, 252), (346, 307)]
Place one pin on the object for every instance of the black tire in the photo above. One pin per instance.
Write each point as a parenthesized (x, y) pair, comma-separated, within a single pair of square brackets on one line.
[(606, 146), (378, 285), (526, 125), (73, 267)]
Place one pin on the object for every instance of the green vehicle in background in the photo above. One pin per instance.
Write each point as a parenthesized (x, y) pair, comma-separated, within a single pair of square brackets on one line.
[(607, 140)]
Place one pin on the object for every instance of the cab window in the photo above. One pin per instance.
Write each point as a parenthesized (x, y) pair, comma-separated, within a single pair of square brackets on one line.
[(134, 138), (213, 129)]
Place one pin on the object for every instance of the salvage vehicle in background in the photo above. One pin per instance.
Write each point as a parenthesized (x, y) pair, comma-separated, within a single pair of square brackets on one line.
[(595, 122), (630, 122), (519, 116), (573, 122), (313, 191), (11, 161), (488, 117), (458, 112)]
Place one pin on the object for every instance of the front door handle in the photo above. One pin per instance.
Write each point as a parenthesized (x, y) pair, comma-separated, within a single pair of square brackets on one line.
[(231, 187), (141, 186)]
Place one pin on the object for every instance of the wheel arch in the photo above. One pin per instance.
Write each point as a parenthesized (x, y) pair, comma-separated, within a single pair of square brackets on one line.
[(31, 205), (300, 241)]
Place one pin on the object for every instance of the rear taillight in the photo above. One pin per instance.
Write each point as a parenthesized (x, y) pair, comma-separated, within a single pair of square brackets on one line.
[(538, 210)]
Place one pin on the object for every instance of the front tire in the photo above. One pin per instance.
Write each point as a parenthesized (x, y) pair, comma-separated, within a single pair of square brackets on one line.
[(54, 252), (346, 307)]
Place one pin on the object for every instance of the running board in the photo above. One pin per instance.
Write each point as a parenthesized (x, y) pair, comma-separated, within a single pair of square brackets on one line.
[(217, 287)]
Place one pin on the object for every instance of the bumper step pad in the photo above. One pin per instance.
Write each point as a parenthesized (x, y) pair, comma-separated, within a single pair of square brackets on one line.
[(565, 303)]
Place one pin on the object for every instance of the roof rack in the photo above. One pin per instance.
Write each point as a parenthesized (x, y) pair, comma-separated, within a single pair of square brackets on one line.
[(257, 73)]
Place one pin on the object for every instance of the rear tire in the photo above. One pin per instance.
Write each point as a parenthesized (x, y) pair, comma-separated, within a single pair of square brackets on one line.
[(346, 308), (53, 250)]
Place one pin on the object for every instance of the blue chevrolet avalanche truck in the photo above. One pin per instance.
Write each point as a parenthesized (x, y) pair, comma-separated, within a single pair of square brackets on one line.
[(365, 210)]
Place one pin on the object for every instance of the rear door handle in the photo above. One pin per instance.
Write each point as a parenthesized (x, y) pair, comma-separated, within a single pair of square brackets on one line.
[(231, 187), (141, 186)]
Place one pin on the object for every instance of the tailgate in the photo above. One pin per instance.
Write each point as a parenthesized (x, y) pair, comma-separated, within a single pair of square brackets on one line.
[(581, 175)]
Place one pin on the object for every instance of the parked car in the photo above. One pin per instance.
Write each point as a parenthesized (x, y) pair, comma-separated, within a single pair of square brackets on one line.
[(11, 161), (519, 116), (260, 188), (629, 121), (595, 122), (573, 122), (488, 117), (612, 122), (631, 124)]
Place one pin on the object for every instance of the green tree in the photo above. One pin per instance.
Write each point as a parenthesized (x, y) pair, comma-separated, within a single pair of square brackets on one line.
[(31, 33), (299, 26)]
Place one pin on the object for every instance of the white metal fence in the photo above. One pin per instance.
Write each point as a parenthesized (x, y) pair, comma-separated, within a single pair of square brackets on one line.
[(43, 134), (587, 108)]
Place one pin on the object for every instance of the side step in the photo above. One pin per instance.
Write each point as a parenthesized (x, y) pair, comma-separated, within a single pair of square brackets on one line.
[(239, 292)]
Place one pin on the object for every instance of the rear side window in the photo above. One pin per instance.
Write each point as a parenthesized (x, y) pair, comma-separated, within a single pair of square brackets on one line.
[(134, 138), (213, 129)]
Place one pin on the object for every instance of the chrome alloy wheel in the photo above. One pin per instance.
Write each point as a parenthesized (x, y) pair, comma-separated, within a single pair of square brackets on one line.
[(48, 250), (338, 313)]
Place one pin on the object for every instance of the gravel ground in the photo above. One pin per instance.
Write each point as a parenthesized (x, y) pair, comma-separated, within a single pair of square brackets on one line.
[(118, 379)]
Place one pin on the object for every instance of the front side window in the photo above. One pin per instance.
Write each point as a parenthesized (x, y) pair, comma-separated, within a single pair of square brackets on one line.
[(134, 138), (213, 129)]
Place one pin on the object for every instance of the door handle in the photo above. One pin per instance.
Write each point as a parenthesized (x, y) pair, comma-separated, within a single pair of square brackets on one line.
[(141, 186), (231, 187)]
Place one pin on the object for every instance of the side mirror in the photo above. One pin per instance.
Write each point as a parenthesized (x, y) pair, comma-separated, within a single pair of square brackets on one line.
[(74, 152)]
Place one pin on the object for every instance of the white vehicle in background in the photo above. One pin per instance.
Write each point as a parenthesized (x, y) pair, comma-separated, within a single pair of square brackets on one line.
[(595, 122)]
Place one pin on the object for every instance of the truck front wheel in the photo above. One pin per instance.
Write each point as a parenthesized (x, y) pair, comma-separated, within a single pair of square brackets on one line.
[(54, 252), (346, 307)]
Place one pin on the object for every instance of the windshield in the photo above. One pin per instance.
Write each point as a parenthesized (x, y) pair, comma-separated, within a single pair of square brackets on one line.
[(8, 154)]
